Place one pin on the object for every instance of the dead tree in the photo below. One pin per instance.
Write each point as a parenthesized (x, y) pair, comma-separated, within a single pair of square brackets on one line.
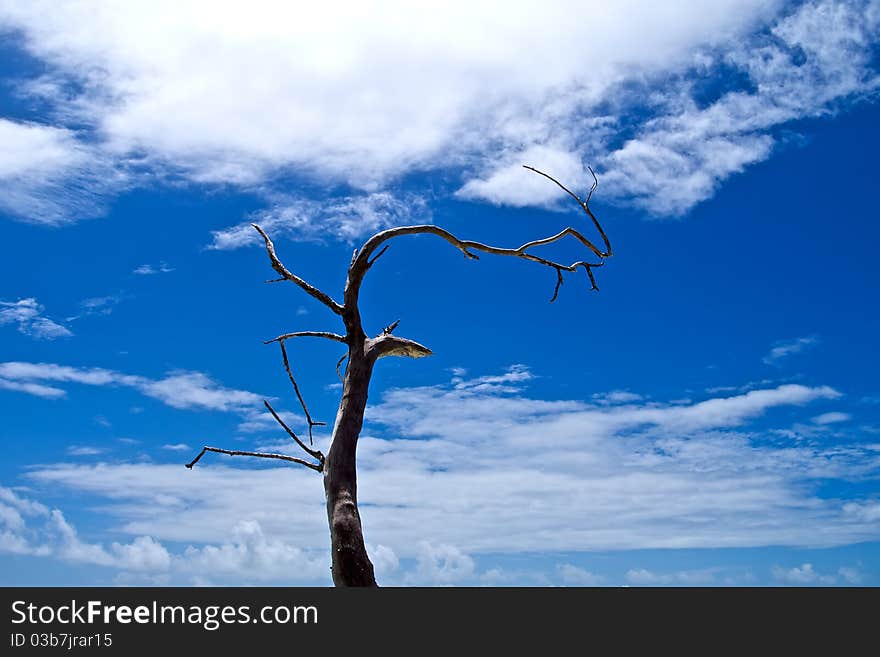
[(351, 566)]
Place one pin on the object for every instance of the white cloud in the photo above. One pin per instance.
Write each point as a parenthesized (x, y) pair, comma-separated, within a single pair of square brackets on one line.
[(385, 561), (28, 527), (616, 397), (27, 316), (441, 564), (36, 389), (84, 450), (178, 389), (814, 58), (344, 219), (340, 95), (47, 175), (250, 555), (789, 348), (644, 577), (150, 270), (177, 447), (485, 468), (833, 417), (510, 184), (575, 576), (849, 575), (802, 575), (96, 306)]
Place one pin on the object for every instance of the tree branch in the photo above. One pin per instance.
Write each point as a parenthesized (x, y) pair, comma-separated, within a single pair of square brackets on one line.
[(307, 334), (262, 455), (284, 273), (364, 260), (311, 452), (299, 396)]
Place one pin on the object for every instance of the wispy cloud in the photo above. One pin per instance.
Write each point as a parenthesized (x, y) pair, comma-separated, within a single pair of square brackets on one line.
[(344, 218), (97, 306), (84, 450), (150, 270), (178, 389), (832, 417), (178, 447), (27, 315), (783, 350), (49, 175), (645, 577), (616, 397)]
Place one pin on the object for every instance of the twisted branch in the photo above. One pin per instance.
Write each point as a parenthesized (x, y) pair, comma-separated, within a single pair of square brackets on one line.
[(363, 261)]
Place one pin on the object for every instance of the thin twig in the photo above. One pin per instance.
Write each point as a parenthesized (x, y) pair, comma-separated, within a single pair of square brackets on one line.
[(262, 455), (299, 396)]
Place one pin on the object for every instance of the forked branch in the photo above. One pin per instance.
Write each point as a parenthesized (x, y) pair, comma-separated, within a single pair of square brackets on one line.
[(311, 452)]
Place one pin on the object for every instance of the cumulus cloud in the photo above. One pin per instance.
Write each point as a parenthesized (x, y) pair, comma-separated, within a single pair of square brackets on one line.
[(347, 100), (28, 527), (441, 564), (27, 316)]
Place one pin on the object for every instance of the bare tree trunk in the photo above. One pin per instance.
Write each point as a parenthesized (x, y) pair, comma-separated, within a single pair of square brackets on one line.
[(351, 565)]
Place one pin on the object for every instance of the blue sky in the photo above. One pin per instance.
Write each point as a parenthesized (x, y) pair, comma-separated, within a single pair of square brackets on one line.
[(711, 416)]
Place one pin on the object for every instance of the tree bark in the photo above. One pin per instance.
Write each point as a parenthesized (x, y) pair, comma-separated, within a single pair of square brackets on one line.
[(351, 565)]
